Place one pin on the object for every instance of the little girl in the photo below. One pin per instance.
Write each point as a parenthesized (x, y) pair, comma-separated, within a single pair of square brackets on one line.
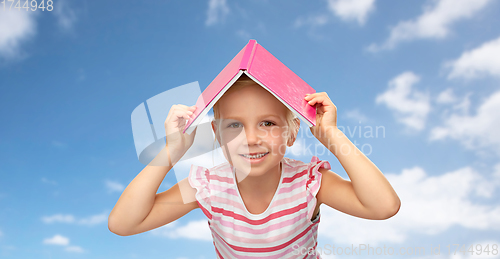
[(259, 204)]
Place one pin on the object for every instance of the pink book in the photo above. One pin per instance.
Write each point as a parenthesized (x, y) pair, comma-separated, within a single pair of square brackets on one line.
[(267, 71)]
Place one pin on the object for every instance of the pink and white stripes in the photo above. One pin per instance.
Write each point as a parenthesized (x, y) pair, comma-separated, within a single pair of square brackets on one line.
[(282, 231)]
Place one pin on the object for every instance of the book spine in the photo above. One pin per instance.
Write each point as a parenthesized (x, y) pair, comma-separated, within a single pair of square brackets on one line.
[(247, 56)]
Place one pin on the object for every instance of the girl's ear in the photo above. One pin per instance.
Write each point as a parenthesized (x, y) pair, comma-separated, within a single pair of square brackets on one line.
[(214, 128), (291, 140), (294, 132)]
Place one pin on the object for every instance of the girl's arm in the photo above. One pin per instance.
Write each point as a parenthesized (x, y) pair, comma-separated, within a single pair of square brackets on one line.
[(368, 194), (140, 208)]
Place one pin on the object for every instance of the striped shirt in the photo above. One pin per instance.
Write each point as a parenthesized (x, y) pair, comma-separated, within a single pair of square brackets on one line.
[(284, 230)]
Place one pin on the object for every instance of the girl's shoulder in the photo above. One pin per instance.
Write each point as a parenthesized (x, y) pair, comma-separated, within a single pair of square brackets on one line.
[(206, 174), (221, 167), (315, 161), (308, 172)]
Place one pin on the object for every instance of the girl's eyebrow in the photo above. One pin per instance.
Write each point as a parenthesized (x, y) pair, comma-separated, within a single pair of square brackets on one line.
[(263, 116)]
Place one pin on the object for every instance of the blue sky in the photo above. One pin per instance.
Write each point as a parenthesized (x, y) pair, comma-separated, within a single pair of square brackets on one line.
[(426, 72)]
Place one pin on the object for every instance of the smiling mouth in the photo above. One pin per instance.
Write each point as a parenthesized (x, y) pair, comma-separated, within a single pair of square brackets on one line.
[(254, 155)]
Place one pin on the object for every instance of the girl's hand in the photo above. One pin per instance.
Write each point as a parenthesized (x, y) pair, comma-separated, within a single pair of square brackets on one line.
[(326, 114), (177, 142)]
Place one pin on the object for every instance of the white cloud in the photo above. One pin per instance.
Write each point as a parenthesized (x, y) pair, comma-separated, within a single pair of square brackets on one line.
[(197, 229), (70, 219), (464, 105), (19, 26), (346, 10), (433, 23), (352, 10), (57, 240), (66, 16), (113, 186), (94, 219), (74, 249), (429, 205), (59, 218), (63, 241), (243, 34), (217, 11), (298, 147), (356, 115), (411, 107), (477, 132), (479, 62), (311, 20), (447, 96), (16, 27), (496, 173)]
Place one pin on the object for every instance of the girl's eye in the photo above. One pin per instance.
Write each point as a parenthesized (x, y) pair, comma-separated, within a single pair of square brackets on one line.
[(233, 125), (268, 123), (237, 125)]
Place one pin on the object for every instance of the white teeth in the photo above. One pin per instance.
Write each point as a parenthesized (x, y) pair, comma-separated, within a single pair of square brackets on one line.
[(255, 156)]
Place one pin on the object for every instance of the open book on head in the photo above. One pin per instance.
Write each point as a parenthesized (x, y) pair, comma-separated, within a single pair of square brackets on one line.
[(267, 71)]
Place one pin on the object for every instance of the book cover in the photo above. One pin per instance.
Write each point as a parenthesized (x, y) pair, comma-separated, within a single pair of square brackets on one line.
[(267, 71)]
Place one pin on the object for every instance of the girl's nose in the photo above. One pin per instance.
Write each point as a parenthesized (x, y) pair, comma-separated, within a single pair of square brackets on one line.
[(253, 136)]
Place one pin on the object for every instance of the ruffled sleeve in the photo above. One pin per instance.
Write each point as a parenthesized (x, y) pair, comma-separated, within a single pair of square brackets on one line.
[(314, 182), (199, 178)]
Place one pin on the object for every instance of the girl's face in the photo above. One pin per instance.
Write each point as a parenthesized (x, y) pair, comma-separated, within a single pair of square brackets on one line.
[(252, 122)]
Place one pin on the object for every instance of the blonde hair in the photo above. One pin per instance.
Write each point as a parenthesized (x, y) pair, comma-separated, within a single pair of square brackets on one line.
[(244, 80)]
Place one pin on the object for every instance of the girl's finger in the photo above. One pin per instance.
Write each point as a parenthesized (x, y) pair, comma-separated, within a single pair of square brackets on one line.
[(323, 98), (315, 100), (309, 96), (315, 95), (184, 108), (181, 114)]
